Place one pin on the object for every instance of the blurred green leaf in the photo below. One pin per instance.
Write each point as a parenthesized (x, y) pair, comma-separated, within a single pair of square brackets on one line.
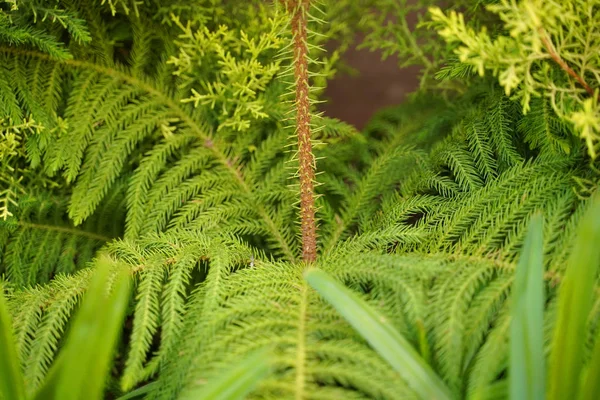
[(82, 367), (11, 379), (591, 385), (527, 369), (134, 394), (238, 380), (574, 305), (390, 345)]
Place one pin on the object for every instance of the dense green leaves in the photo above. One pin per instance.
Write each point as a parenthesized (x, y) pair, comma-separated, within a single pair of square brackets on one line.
[(237, 381), (154, 140), (81, 368)]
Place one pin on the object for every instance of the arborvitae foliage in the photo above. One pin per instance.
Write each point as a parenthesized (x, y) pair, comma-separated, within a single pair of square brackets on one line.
[(182, 143)]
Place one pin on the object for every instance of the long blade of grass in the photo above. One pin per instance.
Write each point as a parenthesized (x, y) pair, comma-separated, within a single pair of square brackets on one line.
[(139, 392), (82, 367), (11, 378), (390, 345), (574, 305), (527, 369), (591, 385), (237, 382)]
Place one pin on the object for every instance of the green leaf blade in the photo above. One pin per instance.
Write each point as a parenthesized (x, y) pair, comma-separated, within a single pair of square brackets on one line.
[(527, 365), (390, 345), (81, 368), (237, 382), (12, 385), (574, 305)]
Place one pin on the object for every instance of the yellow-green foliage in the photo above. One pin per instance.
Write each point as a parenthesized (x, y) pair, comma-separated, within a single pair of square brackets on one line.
[(545, 48), (164, 146)]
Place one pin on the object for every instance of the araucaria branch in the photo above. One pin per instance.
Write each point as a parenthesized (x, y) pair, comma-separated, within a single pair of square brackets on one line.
[(299, 10)]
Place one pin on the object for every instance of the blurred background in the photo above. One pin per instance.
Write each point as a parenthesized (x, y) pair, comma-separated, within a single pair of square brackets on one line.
[(354, 98)]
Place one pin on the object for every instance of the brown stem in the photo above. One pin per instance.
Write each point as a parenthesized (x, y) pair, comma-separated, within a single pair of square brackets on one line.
[(299, 9), (554, 55)]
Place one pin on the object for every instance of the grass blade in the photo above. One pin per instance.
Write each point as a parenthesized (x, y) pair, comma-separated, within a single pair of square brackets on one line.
[(237, 382), (591, 385), (390, 345), (82, 367), (139, 392), (574, 305), (527, 369), (11, 378)]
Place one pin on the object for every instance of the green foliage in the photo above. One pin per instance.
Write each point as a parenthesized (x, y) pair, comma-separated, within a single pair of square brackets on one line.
[(527, 373), (546, 49), (82, 366), (576, 294), (238, 382), (386, 341), (162, 147), (527, 369), (30, 23)]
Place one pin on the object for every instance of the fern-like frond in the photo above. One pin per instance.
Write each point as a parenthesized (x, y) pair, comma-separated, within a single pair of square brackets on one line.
[(318, 355), (164, 267), (39, 242)]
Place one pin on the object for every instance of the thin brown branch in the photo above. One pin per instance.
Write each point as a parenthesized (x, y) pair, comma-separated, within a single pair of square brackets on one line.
[(562, 63), (299, 9)]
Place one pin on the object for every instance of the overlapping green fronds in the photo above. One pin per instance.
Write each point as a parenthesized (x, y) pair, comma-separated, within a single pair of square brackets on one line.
[(475, 190), (390, 345), (543, 50), (185, 164), (35, 23), (164, 147), (39, 241), (316, 353), (165, 269)]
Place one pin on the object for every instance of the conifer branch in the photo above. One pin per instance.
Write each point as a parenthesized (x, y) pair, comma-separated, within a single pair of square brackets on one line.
[(305, 156), (563, 65)]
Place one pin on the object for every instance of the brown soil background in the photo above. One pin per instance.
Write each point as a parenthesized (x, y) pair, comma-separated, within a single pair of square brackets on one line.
[(354, 99)]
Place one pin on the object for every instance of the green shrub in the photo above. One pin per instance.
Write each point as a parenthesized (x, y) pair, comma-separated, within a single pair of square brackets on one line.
[(182, 145)]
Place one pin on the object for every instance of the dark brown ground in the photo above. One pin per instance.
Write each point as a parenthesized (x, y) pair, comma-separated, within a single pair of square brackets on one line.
[(354, 99)]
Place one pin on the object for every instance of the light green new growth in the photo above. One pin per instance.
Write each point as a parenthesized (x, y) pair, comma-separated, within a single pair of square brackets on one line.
[(546, 48)]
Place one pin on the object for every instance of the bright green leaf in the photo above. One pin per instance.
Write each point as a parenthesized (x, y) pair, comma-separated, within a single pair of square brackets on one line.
[(390, 345), (237, 381), (575, 302), (11, 379), (83, 365), (527, 370)]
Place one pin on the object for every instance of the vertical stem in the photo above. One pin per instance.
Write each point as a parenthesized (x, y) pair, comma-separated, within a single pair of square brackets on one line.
[(299, 9)]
